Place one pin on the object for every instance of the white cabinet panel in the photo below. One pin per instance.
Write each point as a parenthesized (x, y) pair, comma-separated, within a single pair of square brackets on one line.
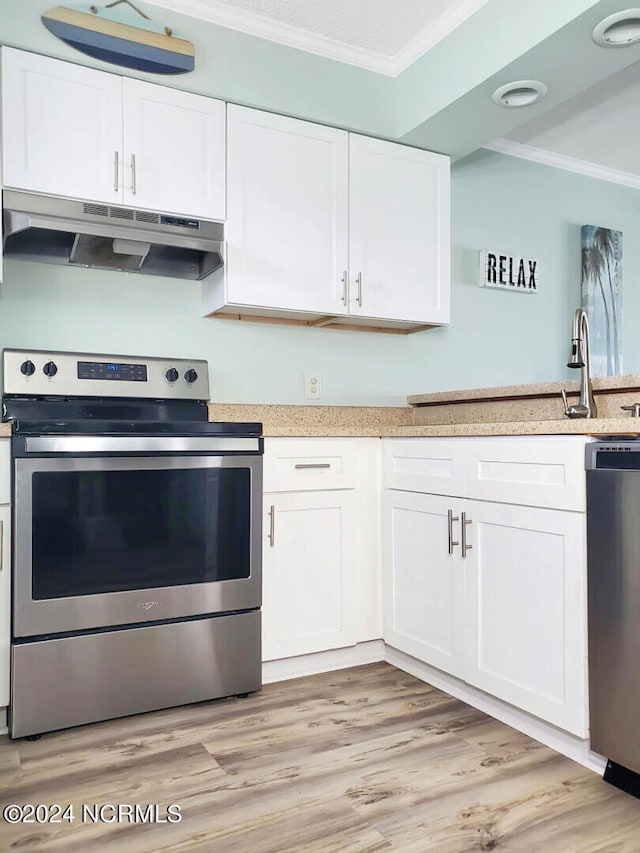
[(537, 472), (287, 213), (434, 466), (5, 602), (525, 610), (177, 141), (309, 571), (399, 232), (5, 470), (423, 582), (62, 128)]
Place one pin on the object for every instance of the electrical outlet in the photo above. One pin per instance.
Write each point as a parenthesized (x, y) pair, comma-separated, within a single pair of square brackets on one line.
[(312, 386)]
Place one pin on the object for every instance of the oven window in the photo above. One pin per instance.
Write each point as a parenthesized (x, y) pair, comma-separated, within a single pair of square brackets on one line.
[(107, 531)]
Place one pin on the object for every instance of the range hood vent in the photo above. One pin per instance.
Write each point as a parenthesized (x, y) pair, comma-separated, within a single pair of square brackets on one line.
[(101, 236)]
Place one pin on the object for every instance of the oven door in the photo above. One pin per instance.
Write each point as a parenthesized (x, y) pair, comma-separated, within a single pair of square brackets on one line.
[(110, 540)]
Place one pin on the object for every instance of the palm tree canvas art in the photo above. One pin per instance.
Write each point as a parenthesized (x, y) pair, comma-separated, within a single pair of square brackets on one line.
[(602, 297)]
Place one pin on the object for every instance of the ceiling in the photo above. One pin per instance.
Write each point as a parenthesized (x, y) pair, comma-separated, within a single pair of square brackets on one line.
[(385, 36), (600, 126)]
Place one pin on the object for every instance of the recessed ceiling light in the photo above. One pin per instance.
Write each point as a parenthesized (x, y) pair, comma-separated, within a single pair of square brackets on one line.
[(619, 30), (520, 93)]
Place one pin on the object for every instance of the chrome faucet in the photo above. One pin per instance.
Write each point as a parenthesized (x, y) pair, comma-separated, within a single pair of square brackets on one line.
[(580, 357)]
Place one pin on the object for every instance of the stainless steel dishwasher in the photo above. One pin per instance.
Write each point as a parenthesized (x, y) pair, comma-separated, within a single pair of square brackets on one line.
[(613, 555)]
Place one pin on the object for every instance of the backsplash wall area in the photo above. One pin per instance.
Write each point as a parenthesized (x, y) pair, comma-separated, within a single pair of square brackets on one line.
[(498, 203)]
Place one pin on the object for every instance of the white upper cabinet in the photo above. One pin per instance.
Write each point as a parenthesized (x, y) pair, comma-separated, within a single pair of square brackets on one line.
[(287, 213), (62, 127), (331, 228), (77, 132), (174, 150), (399, 232)]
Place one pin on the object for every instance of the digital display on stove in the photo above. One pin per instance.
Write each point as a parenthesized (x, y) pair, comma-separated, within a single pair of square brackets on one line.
[(112, 370)]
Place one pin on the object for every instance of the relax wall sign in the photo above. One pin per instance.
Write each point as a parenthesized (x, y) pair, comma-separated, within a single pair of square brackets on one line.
[(508, 272)]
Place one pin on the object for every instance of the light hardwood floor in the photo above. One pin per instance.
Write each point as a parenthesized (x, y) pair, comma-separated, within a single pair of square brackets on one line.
[(363, 759)]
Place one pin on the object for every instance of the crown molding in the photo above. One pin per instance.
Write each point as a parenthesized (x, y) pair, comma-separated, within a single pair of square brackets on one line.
[(563, 161), (253, 24)]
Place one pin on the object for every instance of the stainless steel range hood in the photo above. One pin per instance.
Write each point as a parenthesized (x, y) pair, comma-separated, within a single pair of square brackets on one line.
[(88, 234)]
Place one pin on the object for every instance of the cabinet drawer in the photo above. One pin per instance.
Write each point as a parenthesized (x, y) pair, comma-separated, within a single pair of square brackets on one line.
[(308, 464), (545, 472), (429, 465), (5, 471)]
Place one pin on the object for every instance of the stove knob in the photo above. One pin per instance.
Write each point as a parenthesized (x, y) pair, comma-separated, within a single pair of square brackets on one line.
[(190, 376), (50, 368), (171, 375), (27, 368)]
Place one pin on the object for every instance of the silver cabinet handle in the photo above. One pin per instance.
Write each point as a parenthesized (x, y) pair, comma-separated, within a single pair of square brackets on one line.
[(272, 526), (1, 545), (359, 283), (312, 465), (116, 171), (465, 545), (450, 519), (133, 174), (344, 288)]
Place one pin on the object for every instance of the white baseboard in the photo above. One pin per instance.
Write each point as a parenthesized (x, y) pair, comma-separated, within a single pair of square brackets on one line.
[(358, 655), (566, 744), (573, 747)]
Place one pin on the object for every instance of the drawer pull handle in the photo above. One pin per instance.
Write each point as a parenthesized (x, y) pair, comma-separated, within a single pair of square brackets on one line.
[(116, 171), (465, 545), (133, 174), (272, 526), (450, 519), (307, 465), (359, 283), (1, 545)]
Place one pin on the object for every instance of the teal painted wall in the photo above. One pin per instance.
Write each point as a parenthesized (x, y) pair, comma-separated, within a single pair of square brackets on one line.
[(495, 338)]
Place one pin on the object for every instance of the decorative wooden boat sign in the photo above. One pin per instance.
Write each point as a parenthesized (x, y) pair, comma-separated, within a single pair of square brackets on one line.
[(118, 43)]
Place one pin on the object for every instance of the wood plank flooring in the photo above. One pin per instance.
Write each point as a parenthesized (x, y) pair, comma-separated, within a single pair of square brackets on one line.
[(364, 759)]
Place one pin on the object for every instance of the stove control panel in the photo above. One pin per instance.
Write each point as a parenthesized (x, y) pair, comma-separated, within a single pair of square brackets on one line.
[(43, 373)]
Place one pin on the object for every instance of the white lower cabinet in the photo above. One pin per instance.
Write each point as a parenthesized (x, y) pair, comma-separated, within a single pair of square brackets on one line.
[(424, 588), (525, 609), (492, 592), (5, 602), (309, 595), (508, 617), (320, 556)]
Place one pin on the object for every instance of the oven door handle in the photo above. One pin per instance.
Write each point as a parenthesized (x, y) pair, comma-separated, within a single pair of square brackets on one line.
[(139, 444)]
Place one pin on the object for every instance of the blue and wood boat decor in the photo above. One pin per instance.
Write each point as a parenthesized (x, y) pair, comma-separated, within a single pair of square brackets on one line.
[(120, 43)]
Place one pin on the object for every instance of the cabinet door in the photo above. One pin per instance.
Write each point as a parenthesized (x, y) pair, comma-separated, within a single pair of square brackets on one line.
[(5, 602), (62, 128), (174, 151), (526, 610), (287, 213), (309, 596), (399, 232), (423, 590)]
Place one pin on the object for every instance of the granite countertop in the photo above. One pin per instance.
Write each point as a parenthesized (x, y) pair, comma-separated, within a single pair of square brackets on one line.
[(540, 390), (370, 421)]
